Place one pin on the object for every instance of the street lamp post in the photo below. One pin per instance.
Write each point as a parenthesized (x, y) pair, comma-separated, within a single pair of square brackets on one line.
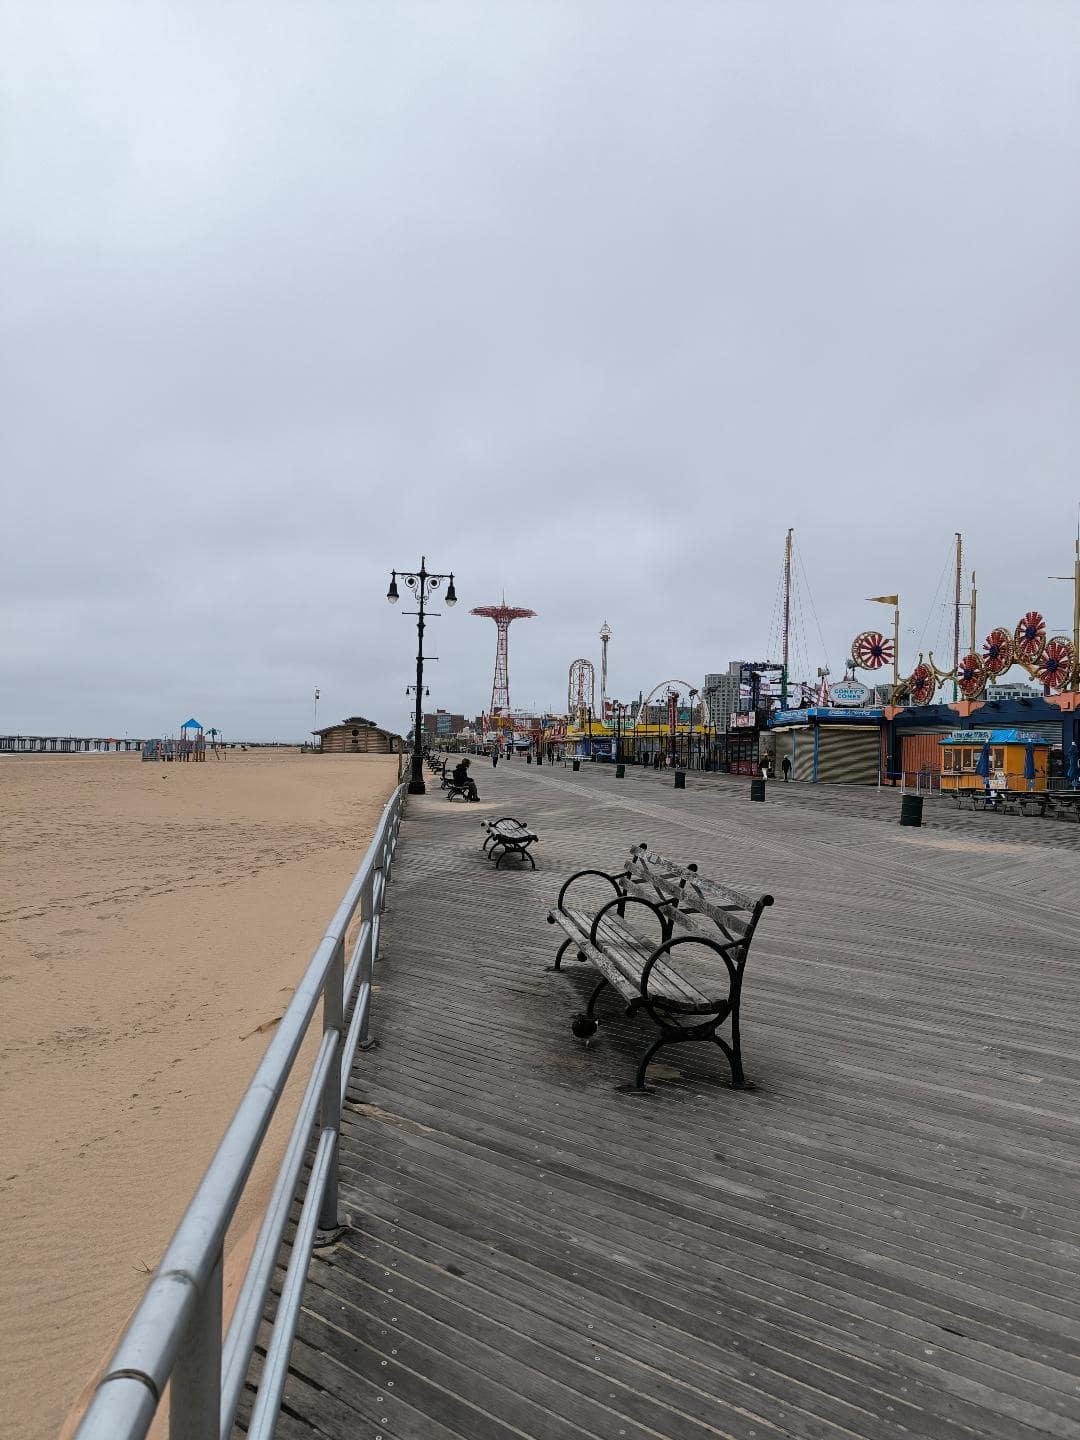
[(690, 733), (422, 583)]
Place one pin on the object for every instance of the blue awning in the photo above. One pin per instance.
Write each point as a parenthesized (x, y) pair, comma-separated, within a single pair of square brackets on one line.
[(191, 725)]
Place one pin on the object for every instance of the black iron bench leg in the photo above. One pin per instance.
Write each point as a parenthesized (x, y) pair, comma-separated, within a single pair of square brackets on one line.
[(585, 1026), (738, 1079), (560, 953), (639, 1079)]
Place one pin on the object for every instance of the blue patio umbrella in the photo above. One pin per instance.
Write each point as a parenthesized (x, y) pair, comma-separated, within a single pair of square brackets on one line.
[(1072, 768), (982, 766), (1029, 766)]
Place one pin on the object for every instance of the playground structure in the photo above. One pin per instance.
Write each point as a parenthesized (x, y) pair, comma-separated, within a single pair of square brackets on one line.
[(189, 745), (503, 615)]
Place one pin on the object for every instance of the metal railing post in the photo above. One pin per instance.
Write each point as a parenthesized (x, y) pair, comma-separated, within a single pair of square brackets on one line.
[(330, 1105), (195, 1386), (367, 958)]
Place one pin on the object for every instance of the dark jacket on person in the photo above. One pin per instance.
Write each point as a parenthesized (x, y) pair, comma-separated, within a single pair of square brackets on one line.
[(461, 773)]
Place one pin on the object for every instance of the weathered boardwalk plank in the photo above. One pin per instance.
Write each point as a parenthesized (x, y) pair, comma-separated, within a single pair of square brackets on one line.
[(880, 1239)]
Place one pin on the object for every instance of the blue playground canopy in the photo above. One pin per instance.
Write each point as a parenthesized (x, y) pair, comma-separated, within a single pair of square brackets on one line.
[(191, 725)]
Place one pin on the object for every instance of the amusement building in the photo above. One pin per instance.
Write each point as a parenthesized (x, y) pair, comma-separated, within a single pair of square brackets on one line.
[(1002, 712)]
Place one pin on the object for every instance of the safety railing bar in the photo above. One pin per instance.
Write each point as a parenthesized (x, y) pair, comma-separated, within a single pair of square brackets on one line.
[(236, 1353), (363, 1002), (143, 1360), (276, 1365), (354, 960)]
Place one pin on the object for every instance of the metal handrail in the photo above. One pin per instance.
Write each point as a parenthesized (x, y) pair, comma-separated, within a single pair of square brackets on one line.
[(174, 1336)]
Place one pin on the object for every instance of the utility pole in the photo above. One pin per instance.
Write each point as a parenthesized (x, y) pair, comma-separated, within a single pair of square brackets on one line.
[(787, 619), (956, 614), (1074, 673)]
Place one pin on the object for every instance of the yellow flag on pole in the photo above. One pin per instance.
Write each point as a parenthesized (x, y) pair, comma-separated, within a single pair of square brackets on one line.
[(884, 599)]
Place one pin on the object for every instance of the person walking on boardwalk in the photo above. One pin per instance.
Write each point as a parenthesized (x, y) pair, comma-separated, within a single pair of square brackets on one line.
[(494, 756), (785, 766), (462, 777)]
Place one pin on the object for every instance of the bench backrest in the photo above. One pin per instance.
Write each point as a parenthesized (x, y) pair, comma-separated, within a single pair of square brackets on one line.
[(682, 893)]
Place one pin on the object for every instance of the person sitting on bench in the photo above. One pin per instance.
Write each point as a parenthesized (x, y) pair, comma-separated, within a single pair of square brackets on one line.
[(463, 778)]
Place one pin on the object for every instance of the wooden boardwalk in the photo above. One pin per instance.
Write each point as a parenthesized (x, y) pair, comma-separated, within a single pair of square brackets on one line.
[(880, 1239)]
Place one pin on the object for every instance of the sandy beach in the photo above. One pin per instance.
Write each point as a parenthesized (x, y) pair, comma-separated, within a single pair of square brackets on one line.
[(153, 920)]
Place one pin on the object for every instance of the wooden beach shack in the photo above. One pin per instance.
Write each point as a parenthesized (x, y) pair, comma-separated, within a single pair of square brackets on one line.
[(1019, 760), (357, 736)]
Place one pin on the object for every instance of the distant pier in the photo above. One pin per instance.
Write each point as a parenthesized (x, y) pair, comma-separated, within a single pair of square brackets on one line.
[(62, 744)]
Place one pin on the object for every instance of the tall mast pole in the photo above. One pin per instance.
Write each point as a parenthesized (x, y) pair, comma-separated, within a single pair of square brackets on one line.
[(956, 614), (974, 597), (787, 619), (1076, 612)]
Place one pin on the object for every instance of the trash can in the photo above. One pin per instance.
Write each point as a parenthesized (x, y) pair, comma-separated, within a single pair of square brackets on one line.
[(528, 759), (620, 772), (911, 809), (757, 789), (539, 759), (680, 779), (576, 765)]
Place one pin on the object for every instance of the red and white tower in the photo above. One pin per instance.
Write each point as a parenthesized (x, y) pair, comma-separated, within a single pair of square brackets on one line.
[(500, 688)]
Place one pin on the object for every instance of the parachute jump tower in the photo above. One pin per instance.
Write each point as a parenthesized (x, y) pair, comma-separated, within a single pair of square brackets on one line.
[(500, 688)]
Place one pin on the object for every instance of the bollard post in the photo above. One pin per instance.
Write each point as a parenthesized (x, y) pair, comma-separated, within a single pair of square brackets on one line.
[(680, 779), (620, 772)]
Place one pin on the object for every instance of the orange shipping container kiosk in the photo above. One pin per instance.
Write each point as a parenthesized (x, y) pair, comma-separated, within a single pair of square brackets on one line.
[(1018, 760)]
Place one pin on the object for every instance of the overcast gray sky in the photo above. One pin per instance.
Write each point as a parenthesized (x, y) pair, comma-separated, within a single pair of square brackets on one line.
[(586, 301)]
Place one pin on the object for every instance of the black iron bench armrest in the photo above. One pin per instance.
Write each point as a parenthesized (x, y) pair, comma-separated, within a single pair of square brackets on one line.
[(665, 949), (613, 881)]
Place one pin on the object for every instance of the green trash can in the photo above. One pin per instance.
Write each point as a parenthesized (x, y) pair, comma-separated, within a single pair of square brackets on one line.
[(620, 772), (757, 789), (680, 779), (911, 809), (576, 765)]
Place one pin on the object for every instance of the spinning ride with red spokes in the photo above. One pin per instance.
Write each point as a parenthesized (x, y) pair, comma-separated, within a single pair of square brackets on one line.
[(1029, 637), (871, 650), (997, 652), (971, 676)]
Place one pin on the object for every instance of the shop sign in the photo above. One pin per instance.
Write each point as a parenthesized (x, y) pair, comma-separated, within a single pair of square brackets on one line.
[(850, 692), (969, 737)]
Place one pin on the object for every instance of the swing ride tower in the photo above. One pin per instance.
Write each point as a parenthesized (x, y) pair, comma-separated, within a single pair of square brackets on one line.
[(503, 615)]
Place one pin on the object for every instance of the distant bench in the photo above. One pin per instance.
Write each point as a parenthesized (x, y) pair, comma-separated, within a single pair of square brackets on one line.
[(455, 788), (508, 837), (684, 1005), (1018, 802)]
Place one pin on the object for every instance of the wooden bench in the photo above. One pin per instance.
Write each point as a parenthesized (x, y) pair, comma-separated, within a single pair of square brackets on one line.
[(710, 916), (508, 837)]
